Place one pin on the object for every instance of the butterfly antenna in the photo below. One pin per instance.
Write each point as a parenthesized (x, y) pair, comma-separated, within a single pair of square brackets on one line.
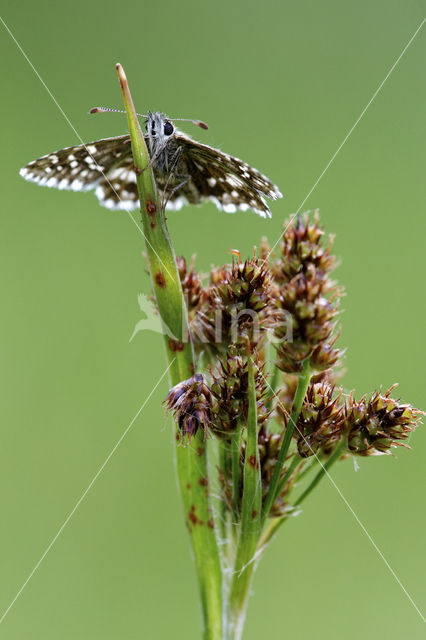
[(198, 123), (104, 109)]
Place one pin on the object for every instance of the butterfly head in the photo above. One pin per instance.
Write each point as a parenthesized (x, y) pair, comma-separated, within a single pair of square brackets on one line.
[(159, 129)]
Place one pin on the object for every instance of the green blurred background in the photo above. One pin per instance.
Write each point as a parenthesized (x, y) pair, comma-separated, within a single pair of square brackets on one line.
[(280, 84)]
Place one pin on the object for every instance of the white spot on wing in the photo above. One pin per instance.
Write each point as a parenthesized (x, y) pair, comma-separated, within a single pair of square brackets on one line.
[(230, 208), (115, 173), (233, 181), (177, 204)]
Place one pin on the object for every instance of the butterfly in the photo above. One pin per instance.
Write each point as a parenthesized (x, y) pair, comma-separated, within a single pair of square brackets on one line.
[(185, 171)]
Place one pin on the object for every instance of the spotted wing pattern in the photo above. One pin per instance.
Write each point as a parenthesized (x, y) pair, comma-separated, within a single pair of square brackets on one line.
[(228, 181), (79, 168), (107, 166)]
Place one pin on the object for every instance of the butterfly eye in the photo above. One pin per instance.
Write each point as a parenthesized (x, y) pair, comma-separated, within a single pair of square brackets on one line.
[(168, 129)]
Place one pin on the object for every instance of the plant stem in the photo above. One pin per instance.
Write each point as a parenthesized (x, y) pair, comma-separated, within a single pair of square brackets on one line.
[(273, 387), (302, 386), (278, 522), (222, 509), (235, 456), (250, 517), (192, 458), (293, 464), (323, 471), (311, 464)]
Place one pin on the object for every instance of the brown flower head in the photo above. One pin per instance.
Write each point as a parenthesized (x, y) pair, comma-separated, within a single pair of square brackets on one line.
[(376, 425), (311, 318), (301, 249), (236, 305), (229, 389), (307, 298), (320, 422), (288, 389), (190, 402)]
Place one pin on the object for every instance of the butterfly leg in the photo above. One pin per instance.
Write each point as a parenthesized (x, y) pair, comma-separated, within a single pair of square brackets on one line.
[(173, 164), (154, 157), (179, 186)]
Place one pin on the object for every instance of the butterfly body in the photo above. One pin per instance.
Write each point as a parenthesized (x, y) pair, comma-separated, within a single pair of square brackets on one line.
[(186, 172)]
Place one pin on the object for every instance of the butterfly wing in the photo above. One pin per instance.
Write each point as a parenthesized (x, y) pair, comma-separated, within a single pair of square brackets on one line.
[(79, 168), (107, 166), (104, 165), (229, 182)]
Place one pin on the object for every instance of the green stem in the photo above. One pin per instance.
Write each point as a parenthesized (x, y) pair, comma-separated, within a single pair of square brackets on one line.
[(222, 509), (273, 387), (235, 456), (278, 522), (308, 467), (191, 458), (322, 472), (302, 386), (250, 517), (294, 462)]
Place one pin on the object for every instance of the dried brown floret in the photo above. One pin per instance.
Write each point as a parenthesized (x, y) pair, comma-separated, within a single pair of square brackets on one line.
[(190, 401)]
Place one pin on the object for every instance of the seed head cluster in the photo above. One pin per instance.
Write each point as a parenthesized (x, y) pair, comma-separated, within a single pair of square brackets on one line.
[(237, 304), (283, 307), (376, 425), (306, 296), (229, 389), (320, 422)]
